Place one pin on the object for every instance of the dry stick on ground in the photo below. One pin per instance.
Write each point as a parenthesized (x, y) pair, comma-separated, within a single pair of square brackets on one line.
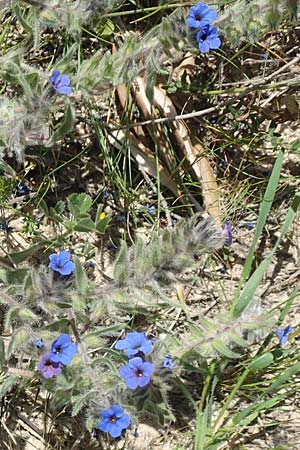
[(255, 86), (194, 154), (142, 154), (155, 131)]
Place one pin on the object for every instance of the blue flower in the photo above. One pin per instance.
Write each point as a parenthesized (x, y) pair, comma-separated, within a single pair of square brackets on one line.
[(227, 233), (61, 262), (137, 373), (48, 367), (149, 209), (114, 421), (60, 83), (250, 225), (201, 15), (39, 343), (134, 343), (22, 189), (208, 38), (168, 362), (283, 334), (63, 350)]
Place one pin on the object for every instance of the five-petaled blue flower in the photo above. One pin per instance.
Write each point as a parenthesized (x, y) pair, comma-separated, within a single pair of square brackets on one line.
[(208, 38), (61, 262), (168, 362), (134, 343), (60, 83), (63, 350), (201, 15), (137, 373), (283, 334), (114, 421), (227, 233), (48, 367)]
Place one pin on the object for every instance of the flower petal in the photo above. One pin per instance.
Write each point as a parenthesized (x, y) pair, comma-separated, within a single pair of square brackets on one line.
[(66, 90), (64, 257), (115, 430), (104, 426), (67, 268)]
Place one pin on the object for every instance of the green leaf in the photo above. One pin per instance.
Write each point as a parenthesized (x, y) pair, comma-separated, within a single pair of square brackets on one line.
[(101, 223), (79, 204), (24, 23), (261, 362), (81, 278), (285, 376), (11, 277), (59, 207), (19, 257), (261, 221), (254, 281), (201, 429), (85, 225), (223, 349), (60, 325), (121, 269), (105, 30), (246, 416), (66, 126), (2, 354)]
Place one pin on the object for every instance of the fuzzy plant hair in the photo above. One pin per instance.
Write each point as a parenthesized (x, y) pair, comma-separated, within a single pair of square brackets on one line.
[(26, 119), (46, 305)]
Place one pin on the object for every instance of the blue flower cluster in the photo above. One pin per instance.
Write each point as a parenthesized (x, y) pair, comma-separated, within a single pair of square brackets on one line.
[(200, 18), (137, 373), (62, 352)]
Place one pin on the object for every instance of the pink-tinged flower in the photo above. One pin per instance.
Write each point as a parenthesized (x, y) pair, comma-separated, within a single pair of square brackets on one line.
[(49, 368), (227, 233)]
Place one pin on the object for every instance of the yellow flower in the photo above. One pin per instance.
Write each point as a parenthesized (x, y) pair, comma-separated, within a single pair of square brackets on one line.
[(102, 216)]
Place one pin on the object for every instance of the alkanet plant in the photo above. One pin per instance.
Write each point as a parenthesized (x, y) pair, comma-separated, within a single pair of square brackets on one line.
[(77, 322), (65, 327)]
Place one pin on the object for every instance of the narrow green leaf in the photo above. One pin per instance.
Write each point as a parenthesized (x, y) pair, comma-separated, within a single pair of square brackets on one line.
[(262, 218), (201, 428), (81, 278), (224, 350), (286, 375), (2, 354), (254, 281), (19, 257), (66, 126), (261, 362), (24, 23), (121, 269), (246, 416)]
